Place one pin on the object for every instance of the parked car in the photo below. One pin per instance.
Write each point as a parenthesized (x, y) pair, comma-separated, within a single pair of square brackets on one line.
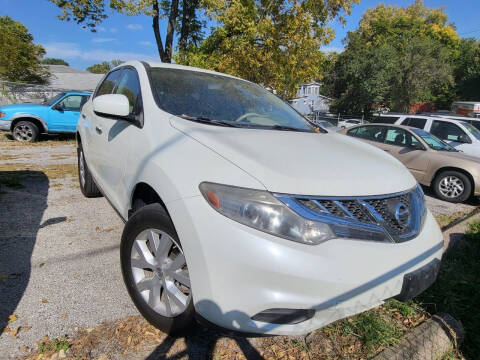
[(453, 175), (471, 120), (459, 134), (58, 114), (247, 216), (343, 124), (327, 125)]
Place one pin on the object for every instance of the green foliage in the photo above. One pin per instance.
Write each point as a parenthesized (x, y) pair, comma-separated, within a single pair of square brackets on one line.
[(372, 329), (56, 344), (53, 61), (467, 73), (104, 67), (20, 57), (457, 289), (397, 57), (274, 43)]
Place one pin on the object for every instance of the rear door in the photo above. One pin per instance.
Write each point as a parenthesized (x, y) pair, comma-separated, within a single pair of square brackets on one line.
[(115, 139), (403, 145), (93, 124)]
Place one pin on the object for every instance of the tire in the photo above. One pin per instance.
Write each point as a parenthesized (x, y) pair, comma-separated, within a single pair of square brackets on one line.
[(447, 186), (25, 131), (87, 184), (149, 239)]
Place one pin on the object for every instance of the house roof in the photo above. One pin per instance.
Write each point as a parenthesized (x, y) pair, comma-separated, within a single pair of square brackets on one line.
[(68, 78), (310, 83)]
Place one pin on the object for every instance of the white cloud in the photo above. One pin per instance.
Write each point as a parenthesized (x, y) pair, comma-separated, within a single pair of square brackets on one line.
[(67, 50), (103, 40), (101, 29), (134, 27), (113, 30), (329, 49), (145, 43)]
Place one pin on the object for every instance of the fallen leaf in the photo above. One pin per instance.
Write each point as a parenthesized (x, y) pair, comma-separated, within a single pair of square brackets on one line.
[(25, 327), (44, 301), (12, 318), (97, 228), (41, 265), (76, 276), (103, 357), (63, 316), (68, 220)]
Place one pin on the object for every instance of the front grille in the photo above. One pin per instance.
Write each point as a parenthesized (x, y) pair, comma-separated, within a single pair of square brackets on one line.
[(400, 215)]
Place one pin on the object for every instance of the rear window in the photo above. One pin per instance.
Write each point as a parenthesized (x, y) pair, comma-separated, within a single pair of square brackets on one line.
[(418, 123), (385, 119)]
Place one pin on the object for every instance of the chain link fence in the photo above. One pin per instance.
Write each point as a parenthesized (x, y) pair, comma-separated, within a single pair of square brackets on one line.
[(14, 92)]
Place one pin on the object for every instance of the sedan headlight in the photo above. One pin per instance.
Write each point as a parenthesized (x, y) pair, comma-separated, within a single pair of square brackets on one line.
[(263, 211)]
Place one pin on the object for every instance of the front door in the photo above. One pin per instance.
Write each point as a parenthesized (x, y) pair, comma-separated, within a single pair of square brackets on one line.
[(63, 116), (405, 147)]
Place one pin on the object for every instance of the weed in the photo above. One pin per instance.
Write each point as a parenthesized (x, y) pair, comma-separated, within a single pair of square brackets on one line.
[(56, 344)]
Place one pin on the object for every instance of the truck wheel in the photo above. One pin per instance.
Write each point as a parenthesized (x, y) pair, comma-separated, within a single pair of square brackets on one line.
[(155, 270), (25, 131), (87, 185), (452, 186)]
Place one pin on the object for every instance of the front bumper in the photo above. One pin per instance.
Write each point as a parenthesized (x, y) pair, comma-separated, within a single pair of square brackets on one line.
[(237, 272), (5, 125)]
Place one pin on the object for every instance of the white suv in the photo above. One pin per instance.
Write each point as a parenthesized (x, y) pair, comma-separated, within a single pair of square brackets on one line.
[(460, 134), (239, 212)]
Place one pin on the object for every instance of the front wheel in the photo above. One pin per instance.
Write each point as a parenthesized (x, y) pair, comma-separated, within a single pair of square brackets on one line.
[(155, 270), (25, 131), (452, 186)]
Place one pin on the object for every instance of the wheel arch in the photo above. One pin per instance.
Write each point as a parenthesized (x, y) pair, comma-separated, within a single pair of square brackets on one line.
[(42, 127), (146, 193), (453, 168)]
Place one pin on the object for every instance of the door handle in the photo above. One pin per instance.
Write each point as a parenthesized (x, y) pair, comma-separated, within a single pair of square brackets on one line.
[(98, 129)]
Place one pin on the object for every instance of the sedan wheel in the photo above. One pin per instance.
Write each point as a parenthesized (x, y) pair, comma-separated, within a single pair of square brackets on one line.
[(451, 187), (160, 272)]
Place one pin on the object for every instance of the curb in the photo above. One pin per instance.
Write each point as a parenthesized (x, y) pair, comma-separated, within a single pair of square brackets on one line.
[(430, 340), (460, 220)]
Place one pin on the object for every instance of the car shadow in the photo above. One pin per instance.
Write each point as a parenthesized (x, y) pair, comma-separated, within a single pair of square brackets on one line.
[(23, 200)]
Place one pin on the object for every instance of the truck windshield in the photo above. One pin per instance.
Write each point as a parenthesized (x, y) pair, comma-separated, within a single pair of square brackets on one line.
[(54, 99), (432, 141), (196, 95)]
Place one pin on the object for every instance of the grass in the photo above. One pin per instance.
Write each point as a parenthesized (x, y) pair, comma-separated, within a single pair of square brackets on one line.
[(56, 344), (445, 220), (53, 171), (457, 289), (7, 140)]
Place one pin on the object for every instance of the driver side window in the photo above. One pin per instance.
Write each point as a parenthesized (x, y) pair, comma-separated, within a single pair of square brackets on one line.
[(71, 103)]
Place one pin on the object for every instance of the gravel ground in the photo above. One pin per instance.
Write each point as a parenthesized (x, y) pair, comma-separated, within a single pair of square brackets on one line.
[(60, 251)]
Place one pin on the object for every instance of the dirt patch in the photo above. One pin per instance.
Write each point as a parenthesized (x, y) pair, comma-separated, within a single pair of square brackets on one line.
[(55, 171), (6, 140)]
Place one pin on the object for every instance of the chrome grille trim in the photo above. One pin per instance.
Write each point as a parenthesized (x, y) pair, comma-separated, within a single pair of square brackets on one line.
[(379, 212)]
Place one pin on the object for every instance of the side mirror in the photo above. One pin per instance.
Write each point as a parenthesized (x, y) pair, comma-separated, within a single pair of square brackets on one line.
[(464, 139), (59, 106), (416, 146), (113, 105)]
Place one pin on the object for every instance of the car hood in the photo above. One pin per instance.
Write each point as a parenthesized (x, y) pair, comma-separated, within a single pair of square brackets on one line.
[(304, 163), (22, 107)]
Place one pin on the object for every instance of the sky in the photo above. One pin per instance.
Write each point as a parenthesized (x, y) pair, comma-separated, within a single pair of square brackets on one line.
[(131, 37)]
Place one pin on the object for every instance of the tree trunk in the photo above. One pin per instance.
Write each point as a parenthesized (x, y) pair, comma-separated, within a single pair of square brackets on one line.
[(172, 20), (156, 30)]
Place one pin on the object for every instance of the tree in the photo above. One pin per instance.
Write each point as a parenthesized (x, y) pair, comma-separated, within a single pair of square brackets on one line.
[(397, 57), (20, 57), (467, 71), (104, 67), (53, 61), (275, 43), (90, 13)]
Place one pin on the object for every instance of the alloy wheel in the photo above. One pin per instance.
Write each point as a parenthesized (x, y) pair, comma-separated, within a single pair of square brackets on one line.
[(81, 167), (23, 133), (451, 187), (160, 272)]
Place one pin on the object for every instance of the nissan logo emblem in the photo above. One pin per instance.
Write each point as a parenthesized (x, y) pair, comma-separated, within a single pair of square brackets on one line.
[(402, 215)]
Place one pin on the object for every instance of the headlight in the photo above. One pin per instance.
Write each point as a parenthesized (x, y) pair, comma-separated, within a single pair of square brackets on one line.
[(263, 211), (2, 114)]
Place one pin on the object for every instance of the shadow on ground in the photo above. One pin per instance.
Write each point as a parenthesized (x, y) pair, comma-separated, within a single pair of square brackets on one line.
[(23, 200)]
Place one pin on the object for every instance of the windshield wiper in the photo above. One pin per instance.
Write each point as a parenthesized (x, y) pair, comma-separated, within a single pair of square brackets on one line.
[(206, 120), (286, 128)]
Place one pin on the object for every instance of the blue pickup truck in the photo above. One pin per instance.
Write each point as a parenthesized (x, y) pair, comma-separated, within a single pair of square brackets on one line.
[(56, 115)]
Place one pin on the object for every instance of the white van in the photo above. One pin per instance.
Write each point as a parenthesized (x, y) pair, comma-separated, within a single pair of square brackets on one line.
[(466, 108), (458, 133)]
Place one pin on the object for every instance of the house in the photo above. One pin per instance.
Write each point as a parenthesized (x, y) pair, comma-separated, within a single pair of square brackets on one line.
[(68, 78), (309, 101)]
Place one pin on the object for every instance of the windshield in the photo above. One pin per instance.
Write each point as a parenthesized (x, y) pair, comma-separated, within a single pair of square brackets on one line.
[(432, 141), (472, 130), (201, 96), (326, 124), (54, 99)]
